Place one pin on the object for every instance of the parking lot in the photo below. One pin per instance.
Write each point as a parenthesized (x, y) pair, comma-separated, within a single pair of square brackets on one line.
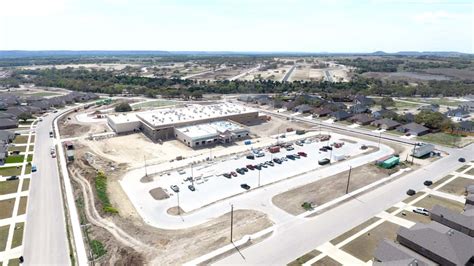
[(211, 186)]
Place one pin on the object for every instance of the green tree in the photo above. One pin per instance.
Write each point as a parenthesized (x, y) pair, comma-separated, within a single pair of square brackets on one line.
[(25, 116), (433, 120), (387, 101), (123, 107)]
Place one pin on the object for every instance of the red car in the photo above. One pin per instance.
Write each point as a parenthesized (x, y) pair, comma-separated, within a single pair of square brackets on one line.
[(250, 167), (233, 173), (301, 153)]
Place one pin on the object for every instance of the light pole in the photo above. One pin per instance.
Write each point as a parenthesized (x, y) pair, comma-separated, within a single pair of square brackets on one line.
[(179, 209), (259, 177), (231, 221), (146, 173), (348, 179)]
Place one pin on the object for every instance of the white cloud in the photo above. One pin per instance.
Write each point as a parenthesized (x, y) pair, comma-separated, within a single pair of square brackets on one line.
[(28, 8), (439, 17)]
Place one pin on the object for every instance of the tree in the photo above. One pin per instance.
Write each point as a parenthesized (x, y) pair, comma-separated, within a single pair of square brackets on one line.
[(123, 107), (387, 101), (433, 120), (24, 116)]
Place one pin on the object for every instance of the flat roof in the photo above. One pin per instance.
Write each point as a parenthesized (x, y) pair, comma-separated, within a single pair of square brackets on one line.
[(124, 118), (209, 129), (194, 112)]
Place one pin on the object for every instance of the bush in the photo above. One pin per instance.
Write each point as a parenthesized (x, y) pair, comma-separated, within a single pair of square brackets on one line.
[(307, 206), (101, 188), (123, 107), (97, 248)]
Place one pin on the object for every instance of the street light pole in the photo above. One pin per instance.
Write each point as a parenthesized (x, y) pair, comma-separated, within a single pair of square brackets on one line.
[(179, 209), (144, 158), (413, 154), (348, 179), (259, 178), (231, 221)]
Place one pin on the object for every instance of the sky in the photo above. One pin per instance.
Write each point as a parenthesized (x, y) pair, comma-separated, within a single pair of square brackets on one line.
[(238, 25)]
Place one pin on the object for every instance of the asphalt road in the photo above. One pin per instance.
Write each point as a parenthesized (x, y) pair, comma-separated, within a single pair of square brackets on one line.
[(296, 237), (45, 240), (288, 74)]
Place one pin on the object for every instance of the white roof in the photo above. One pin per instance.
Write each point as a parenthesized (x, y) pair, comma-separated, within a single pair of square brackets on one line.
[(124, 118), (161, 117), (209, 129)]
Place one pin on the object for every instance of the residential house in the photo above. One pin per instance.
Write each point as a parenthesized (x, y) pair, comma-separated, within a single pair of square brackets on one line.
[(303, 108), (340, 115), (414, 129), (10, 99), (364, 100), (460, 112), (466, 126), (335, 106), (6, 137), (385, 123), (321, 112), (438, 243), (262, 100), (384, 113), (469, 106), (245, 98), (407, 117), (6, 123), (391, 253), (361, 119), (430, 107), (290, 105), (462, 222), (359, 109)]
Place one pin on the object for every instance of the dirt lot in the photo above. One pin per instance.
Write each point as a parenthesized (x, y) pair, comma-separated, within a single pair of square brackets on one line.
[(70, 127), (414, 217), (429, 201), (6, 208), (22, 206), (3, 237), (169, 246), (327, 189), (364, 246), (305, 258), (326, 261), (8, 187), (353, 231)]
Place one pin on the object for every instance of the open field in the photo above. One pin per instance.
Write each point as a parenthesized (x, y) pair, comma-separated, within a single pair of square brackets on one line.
[(15, 159), (20, 139), (6, 208), (364, 246), (329, 188), (18, 235), (22, 206), (8, 187), (154, 103), (464, 74), (447, 139), (9, 171), (17, 148)]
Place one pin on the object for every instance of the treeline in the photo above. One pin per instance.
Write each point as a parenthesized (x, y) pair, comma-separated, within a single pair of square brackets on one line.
[(102, 81), (372, 65)]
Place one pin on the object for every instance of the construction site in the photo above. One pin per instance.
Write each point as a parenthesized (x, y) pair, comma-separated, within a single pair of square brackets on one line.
[(172, 178)]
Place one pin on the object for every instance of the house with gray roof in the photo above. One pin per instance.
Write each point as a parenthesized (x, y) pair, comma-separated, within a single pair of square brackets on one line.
[(461, 222), (6, 137), (364, 100), (359, 109), (385, 123), (361, 119), (414, 129), (429, 107), (340, 115), (438, 243), (384, 113), (7, 123), (321, 111), (468, 105), (391, 253), (460, 112), (466, 126), (303, 108)]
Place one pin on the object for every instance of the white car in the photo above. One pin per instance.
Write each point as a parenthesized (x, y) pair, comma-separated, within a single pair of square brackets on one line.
[(422, 211)]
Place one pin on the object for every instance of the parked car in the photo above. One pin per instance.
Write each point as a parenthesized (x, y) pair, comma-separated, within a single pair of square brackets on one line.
[(175, 188), (33, 168), (233, 173), (249, 166), (324, 161), (51, 134), (299, 143), (428, 183), (411, 192), (363, 147), (258, 167), (263, 165), (240, 171), (53, 155), (296, 156), (191, 187), (260, 154), (421, 211), (245, 186), (302, 153), (11, 178), (289, 148), (250, 157), (244, 169), (270, 163), (327, 147), (323, 149), (277, 160), (462, 160), (284, 159), (227, 175), (290, 156)]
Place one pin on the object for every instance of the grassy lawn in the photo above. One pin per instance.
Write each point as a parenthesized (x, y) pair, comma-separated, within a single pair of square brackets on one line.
[(442, 180), (17, 148), (6, 208), (462, 168), (389, 210), (18, 235), (28, 169), (305, 258), (97, 248), (326, 261), (157, 103), (8, 187), (457, 186), (353, 231), (32, 147), (401, 105), (394, 132), (32, 139), (15, 159), (431, 200), (101, 188), (411, 198), (441, 138), (470, 172), (364, 246), (8, 171), (29, 158), (20, 139), (3, 237), (43, 94), (26, 184), (13, 262), (440, 101), (22, 206)]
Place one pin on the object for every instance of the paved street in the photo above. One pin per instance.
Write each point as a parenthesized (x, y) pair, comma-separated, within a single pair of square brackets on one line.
[(45, 239)]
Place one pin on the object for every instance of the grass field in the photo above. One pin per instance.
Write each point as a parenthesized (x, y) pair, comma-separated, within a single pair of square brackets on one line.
[(442, 180), (32, 147), (17, 148), (457, 186), (13, 262), (22, 206), (441, 138), (6, 208), (440, 101), (462, 168), (8, 171), (8, 187), (429, 201), (20, 139), (29, 158), (26, 184), (364, 246), (18, 235), (3, 237), (15, 159), (401, 105), (414, 217), (411, 198)]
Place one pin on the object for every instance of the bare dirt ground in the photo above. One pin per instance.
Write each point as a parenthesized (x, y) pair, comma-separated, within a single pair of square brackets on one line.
[(70, 127), (329, 188), (224, 74), (169, 247), (159, 194)]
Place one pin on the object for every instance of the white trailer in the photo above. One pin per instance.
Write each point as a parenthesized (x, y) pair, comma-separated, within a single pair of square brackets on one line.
[(423, 149)]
